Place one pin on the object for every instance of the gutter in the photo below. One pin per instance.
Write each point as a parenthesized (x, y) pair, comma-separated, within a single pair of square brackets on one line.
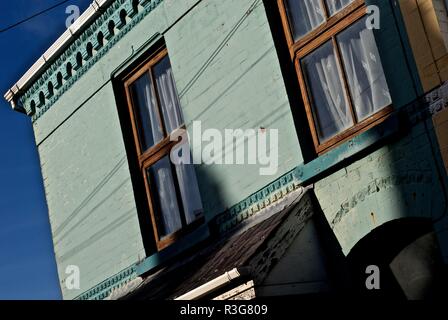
[(215, 284), (68, 37)]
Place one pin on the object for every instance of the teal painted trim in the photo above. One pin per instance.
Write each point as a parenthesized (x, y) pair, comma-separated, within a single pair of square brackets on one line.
[(307, 172), (59, 69), (164, 256), (400, 121), (232, 217), (302, 175), (256, 202), (102, 290)]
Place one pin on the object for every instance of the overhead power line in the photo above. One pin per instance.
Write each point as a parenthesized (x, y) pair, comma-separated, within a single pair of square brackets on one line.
[(33, 16)]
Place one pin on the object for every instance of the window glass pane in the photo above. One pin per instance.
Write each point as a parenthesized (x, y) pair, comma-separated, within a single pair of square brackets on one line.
[(336, 5), (304, 16), (328, 100), (144, 103), (164, 198), (368, 86), (189, 190), (169, 101), (188, 184)]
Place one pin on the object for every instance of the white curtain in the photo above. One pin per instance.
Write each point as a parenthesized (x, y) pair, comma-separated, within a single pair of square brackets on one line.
[(189, 189), (331, 111), (161, 175), (169, 100), (336, 5), (304, 16), (368, 86), (172, 115), (150, 129)]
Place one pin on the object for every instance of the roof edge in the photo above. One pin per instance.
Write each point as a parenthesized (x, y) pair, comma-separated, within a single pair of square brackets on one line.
[(215, 284), (54, 50)]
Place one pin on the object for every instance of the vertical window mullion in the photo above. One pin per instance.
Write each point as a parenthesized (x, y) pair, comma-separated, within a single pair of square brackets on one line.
[(344, 78)]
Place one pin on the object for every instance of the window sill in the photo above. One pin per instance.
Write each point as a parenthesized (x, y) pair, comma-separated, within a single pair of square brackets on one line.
[(188, 241), (171, 239), (347, 135), (331, 160)]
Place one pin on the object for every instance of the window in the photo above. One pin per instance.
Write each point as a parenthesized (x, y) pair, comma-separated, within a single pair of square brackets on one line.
[(172, 190), (340, 74)]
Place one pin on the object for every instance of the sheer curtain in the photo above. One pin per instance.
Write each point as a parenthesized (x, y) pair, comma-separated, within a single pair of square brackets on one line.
[(368, 86), (173, 119), (162, 185), (168, 97), (189, 189), (149, 126), (330, 107), (336, 5), (304, 16)]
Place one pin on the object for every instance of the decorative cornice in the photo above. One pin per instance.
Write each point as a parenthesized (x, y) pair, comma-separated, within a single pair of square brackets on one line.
[(270, 194), (125, 289), (94, 42), (105, 288)]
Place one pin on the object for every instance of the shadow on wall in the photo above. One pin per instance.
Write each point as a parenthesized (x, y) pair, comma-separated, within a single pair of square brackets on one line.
[(291, 81)]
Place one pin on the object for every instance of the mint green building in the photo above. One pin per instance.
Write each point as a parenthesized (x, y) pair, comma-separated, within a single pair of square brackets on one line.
[(362, 135)]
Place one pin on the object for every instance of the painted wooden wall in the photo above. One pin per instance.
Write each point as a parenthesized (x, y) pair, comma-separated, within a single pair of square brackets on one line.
[(228, 76), (230, 55)]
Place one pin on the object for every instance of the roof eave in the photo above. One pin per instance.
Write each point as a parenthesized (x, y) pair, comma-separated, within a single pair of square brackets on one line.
[(55, 49)]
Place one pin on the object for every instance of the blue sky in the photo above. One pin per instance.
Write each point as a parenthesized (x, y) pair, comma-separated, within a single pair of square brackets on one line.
[(27, 266)]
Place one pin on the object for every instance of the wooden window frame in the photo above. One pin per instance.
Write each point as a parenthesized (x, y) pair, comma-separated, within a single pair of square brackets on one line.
[(161, 149), (328, 30)]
